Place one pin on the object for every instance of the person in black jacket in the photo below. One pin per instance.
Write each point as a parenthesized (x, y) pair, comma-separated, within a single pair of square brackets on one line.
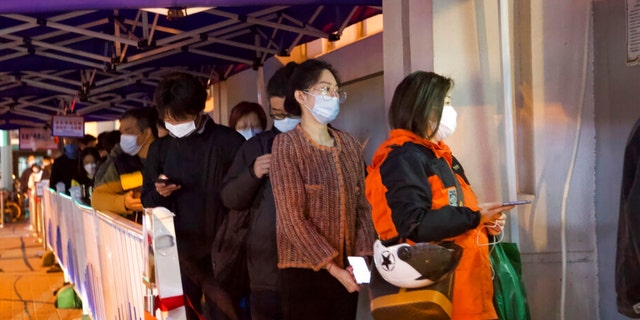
[(193, 160), (64, 168), (247, 187), (628, 253)]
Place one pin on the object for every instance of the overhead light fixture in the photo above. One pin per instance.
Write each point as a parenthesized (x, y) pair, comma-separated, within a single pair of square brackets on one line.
[(176, 12), (334, 36)]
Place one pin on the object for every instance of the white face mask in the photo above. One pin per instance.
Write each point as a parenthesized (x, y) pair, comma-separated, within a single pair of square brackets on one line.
[(90, 168), (323, 110), (248, 133), (286, 124), (181, 129), (128, 143), (448, 123)]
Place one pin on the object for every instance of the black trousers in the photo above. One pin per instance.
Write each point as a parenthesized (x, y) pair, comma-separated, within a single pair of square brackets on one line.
[(307, 294), (266, 305), (198, 281)]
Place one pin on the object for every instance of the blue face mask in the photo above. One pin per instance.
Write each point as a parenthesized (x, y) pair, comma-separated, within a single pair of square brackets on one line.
[(248, 133), (286, 124), (71, 151), (324, 111)]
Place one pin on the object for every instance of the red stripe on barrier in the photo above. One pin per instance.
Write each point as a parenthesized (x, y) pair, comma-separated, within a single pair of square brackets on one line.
[(170, 303)]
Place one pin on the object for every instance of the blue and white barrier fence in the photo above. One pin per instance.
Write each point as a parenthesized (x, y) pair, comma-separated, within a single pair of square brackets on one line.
[(101, 253)]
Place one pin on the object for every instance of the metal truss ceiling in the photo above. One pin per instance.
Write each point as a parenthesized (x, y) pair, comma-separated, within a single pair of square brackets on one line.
[(103, 62)]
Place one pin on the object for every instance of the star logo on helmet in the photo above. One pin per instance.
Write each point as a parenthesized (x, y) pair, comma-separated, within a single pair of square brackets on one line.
[(388, 262)]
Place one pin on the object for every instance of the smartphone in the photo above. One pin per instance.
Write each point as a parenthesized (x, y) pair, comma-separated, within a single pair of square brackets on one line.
[(516, 202), (360, 269), (165, 181)]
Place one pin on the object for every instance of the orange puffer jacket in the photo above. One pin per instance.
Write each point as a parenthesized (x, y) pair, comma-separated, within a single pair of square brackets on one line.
[(413, 179)]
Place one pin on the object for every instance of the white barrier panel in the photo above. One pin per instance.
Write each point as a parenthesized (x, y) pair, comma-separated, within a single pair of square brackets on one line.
[(101, 253), (94, 297), (164, 274), (121, 267)]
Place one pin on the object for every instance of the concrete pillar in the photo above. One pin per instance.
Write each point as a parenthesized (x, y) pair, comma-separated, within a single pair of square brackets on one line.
[(220, 112), (6, 160), (408, 41)]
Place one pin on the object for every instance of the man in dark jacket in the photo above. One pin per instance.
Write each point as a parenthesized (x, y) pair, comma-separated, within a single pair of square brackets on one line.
[(247, 187), (628, 254), (192, 161), (26, 173), (65, 167)]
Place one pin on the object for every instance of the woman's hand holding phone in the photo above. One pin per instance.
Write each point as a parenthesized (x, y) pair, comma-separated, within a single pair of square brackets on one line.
[(492, 216)]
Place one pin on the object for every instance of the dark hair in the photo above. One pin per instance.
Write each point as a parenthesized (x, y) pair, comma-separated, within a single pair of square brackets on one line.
[(145, 118), (87, 139), (244, 108), (111, 139), (179, 95), (419, 96), (278, 85), (304, 76), (82, 175), (93, 151)]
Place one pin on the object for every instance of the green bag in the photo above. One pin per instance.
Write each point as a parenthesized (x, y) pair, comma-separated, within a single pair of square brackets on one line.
[(509, 294), (66, 298)]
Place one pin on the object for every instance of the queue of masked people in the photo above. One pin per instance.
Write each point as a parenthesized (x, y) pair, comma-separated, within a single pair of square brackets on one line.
[(40, 168), (265, 220)]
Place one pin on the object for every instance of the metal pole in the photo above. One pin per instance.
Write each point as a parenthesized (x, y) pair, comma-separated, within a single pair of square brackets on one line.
[(509, 126)]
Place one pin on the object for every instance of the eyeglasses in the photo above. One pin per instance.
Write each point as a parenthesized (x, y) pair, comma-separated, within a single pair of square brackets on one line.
[(328, 93), (281, 116), (278, 116)]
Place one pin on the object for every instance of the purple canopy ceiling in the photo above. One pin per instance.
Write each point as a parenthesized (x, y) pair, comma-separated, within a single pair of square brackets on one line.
[(103, 61), (72, 5)]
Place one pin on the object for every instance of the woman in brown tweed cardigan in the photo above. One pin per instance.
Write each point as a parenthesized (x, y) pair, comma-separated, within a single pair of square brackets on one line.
[(317, 177)]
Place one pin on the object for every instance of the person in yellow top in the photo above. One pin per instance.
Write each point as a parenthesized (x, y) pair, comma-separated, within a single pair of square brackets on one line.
[(118, 181)]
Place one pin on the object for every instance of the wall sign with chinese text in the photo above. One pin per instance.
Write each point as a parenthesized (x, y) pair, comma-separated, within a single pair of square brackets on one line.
[(36, 138), (67, 126)]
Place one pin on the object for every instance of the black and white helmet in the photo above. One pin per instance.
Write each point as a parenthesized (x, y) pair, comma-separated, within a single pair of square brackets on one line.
[(415, 266)]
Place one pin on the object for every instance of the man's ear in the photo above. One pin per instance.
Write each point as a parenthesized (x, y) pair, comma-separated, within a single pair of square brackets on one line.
[(148, 132)]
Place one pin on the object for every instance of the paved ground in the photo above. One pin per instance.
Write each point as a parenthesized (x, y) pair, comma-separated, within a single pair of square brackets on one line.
[(26, 288)]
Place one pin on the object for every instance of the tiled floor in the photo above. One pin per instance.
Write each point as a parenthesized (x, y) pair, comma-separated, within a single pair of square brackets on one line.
[(26, 289)]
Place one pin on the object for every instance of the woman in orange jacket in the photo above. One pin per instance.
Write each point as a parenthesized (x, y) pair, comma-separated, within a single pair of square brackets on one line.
[(415, 178)]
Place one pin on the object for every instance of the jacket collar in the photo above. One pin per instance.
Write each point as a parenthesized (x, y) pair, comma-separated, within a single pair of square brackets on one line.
[(399, 137)]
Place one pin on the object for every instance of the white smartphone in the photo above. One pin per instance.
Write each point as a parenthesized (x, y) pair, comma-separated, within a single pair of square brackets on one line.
[(516, 202), (360, 269)]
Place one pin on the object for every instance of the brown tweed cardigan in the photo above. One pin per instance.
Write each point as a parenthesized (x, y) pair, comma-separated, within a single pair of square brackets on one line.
[(321, 211)]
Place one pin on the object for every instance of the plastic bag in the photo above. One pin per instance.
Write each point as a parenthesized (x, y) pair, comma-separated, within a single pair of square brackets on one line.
[(67, 298), (509, 294)]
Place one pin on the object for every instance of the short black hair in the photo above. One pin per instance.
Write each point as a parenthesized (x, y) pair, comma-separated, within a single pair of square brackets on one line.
[(108, 139), (419, 96), (278, 85), (179, 95), (87, 139), (304, 76), (145, 118)]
